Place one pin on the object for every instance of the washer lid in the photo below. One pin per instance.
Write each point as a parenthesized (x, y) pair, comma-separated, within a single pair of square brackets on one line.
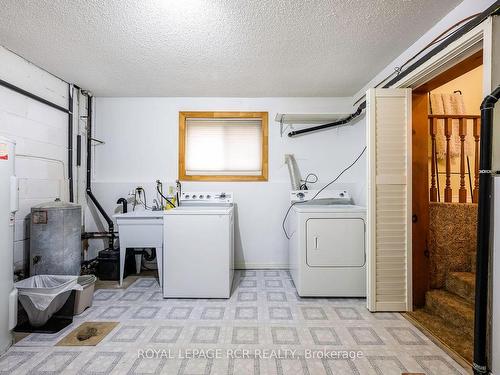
[(201, 210), (323, 208)]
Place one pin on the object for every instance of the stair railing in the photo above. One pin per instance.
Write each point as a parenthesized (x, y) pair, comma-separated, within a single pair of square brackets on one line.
[(445, 127)]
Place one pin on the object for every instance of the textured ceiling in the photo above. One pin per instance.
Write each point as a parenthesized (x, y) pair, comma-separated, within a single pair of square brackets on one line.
[(239, 48)]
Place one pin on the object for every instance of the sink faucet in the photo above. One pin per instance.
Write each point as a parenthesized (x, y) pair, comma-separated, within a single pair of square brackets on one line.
[(123, 202)]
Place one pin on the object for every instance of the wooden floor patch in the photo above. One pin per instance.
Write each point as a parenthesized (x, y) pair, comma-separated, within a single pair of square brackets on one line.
[(88, 334)]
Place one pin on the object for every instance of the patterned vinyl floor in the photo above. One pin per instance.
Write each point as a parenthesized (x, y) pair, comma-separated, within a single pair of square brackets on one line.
[(264, 328)]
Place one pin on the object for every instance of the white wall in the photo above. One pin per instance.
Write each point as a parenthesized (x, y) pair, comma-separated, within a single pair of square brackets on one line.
[(141, 136), (41, 136)]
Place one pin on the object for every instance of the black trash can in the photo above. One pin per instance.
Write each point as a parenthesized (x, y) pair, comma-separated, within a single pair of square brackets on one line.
[(109, 264)]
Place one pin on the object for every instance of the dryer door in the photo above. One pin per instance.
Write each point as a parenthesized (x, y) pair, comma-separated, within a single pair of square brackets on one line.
[(335, 242)]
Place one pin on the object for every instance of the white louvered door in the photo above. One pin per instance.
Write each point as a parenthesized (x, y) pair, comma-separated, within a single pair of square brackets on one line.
[(389, 199)]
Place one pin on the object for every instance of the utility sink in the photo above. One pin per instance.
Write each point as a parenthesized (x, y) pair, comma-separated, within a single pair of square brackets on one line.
[(141, 229)]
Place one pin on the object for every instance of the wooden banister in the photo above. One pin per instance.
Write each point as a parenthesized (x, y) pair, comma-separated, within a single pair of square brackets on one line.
[(476, 133), (433, 132), (443, 125), (462, 192), (448, 131)]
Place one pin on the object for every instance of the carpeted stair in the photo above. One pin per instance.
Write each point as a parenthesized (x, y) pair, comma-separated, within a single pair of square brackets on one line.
[(449, 313), (462, 284), (448, 335), (455, 310)]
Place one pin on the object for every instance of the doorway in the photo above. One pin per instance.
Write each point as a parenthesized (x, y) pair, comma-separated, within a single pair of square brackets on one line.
[(445, 146)]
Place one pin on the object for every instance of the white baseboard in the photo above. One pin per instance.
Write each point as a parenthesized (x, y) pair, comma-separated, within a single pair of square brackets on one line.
[(259, 266)]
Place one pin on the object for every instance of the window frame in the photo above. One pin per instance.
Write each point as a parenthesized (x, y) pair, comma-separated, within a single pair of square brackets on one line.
[(183, 176)]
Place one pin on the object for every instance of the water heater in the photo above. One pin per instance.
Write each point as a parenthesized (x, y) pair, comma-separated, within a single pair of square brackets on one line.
[(56, 239), (8, 206)]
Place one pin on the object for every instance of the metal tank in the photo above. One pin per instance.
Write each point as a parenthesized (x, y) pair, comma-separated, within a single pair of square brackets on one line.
[(55, 239)]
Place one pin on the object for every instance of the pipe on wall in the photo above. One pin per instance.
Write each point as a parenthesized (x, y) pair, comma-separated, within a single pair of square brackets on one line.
[(480, 364), (344, 121), (97, 235), (71, 91), (91, 195), (30, 95)]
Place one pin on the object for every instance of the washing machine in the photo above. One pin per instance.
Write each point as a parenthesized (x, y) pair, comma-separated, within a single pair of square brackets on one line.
[(327, 244), (198, 246)]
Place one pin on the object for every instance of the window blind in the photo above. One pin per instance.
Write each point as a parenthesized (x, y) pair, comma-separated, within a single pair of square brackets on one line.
[(224, 146)]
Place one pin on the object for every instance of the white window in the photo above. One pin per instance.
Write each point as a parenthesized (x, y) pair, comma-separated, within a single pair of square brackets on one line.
[(223, 146)]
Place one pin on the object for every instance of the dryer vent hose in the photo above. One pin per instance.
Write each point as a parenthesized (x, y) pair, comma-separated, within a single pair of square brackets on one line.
[(293, 170)]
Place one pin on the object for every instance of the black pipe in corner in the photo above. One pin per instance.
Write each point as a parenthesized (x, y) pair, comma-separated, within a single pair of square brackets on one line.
[(480, 364), (70, 143), (89, 175)]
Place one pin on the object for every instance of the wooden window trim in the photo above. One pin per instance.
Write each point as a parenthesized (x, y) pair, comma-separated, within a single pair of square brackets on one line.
[(182, 146)]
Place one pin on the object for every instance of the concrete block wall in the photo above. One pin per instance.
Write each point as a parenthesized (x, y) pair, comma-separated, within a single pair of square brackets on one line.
[(40, 133)]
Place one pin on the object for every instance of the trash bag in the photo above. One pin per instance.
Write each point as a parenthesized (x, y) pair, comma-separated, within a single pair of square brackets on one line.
[(42, 289), (43, 295)]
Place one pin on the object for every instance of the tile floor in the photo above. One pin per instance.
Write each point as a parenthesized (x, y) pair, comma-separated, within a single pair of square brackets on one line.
[(263, 315)]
